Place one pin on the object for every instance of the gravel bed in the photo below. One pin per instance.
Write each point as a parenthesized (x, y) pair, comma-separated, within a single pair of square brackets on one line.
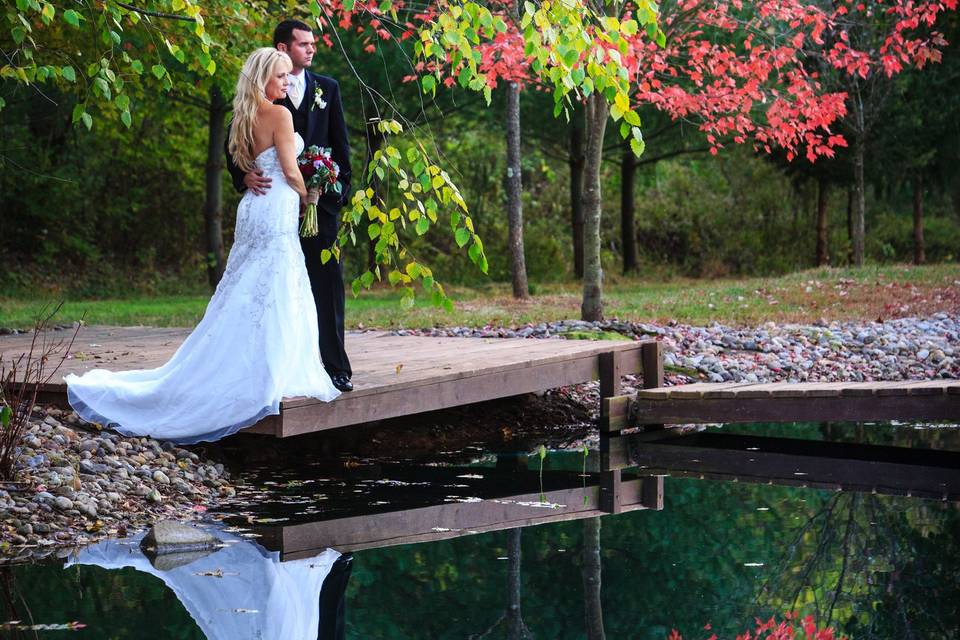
[(76, 485)]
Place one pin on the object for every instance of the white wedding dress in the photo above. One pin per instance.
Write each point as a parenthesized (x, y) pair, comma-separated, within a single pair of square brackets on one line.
[(256, 344)]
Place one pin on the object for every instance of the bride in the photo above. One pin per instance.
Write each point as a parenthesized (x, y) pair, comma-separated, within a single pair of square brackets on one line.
[(257, 341)]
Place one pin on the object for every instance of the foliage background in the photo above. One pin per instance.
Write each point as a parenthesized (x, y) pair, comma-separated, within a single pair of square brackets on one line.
[(113, 210)]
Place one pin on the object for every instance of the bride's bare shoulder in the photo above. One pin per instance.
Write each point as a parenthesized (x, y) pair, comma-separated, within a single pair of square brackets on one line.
[(275, 116)]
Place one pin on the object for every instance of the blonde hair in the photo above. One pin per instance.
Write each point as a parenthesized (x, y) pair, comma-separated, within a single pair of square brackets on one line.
[(251, 92)]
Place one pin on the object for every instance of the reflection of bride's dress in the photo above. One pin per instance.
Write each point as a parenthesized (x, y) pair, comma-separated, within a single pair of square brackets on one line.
[(257, 597), (257, 341)]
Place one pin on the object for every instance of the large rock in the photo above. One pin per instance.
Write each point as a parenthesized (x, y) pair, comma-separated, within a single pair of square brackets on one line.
[(169, 536)]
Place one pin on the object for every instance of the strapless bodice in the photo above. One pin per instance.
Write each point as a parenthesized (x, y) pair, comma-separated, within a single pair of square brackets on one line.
[(269, 162)]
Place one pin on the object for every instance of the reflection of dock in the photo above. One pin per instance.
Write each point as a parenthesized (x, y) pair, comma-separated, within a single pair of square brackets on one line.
[(490, 500), (838, 466), (393, 375)]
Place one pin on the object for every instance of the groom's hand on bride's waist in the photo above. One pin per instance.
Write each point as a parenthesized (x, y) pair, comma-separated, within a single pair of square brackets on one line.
[(257, 182)]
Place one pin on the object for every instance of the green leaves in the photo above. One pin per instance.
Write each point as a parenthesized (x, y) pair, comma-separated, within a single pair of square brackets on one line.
[(158, 71), (72, 18), (421, 191), (5, 415), (68, 74)]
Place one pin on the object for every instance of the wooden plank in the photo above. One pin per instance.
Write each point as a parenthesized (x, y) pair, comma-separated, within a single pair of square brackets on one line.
[(809, 390), (400, 400), (787, 409), (866, 389)]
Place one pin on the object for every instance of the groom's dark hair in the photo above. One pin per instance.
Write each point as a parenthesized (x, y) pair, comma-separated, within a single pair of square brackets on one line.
[(284, 31)]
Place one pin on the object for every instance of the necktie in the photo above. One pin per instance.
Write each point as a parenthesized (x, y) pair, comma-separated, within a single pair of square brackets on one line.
[(295, 91)]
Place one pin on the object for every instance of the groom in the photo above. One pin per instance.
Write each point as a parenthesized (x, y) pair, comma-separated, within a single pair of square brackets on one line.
[(314, 101)]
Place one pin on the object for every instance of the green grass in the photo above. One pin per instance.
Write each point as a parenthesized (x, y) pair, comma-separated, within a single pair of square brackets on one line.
[(864, 293)]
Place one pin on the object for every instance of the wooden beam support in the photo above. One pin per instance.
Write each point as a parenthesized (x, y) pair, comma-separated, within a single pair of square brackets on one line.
[(611, 497), (651, 354)]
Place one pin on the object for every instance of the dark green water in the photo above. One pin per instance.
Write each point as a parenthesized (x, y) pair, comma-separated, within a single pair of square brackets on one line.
[(720, 552)]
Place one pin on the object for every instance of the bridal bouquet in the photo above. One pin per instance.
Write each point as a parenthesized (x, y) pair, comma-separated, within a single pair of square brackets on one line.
[(320, 174)]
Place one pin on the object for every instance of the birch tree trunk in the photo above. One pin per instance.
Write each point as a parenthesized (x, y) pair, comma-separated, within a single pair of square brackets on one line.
[(518, 265)]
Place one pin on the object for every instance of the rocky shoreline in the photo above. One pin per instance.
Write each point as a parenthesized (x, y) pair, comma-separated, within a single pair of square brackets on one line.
[(77, 484)]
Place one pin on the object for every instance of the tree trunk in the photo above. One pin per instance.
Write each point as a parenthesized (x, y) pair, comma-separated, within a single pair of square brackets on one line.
[(628, 169), (591, 569), (919, 255), (859, 203), (518, 265), (213, 205), (849, 224), (516, 629), (375, 140), (591, 308), (576, 193), (823, 257)]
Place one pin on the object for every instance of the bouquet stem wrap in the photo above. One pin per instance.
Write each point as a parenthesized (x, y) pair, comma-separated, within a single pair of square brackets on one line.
[(308, 226)]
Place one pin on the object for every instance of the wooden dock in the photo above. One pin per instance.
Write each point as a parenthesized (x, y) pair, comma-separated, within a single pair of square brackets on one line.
[(393, 375), (933, 400)]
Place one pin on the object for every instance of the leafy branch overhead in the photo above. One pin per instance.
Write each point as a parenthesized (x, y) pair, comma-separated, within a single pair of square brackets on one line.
[(426, 193)]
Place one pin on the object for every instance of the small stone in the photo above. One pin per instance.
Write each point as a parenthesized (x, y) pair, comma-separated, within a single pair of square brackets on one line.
[(62, 503), (161, 477), (154, 496), (89, 445)]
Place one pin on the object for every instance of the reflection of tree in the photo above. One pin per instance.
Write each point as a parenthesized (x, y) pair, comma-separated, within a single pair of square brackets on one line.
[(513, 616), (873, 567), (593, 610), (14, 605)]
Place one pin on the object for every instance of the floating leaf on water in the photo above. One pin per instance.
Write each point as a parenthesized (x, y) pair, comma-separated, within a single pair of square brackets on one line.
[(216, 573)]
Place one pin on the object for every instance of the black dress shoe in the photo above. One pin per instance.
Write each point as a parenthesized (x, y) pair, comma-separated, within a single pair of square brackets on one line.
[(342, 382)]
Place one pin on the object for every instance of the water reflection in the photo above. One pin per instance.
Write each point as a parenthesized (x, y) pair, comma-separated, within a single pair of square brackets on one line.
[(241, 590), (745, 541)]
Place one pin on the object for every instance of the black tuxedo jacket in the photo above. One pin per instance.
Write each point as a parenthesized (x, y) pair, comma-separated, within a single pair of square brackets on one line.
[(324, 127)]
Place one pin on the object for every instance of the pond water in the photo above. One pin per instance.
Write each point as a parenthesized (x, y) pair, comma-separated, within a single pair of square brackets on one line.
[(360, 552)]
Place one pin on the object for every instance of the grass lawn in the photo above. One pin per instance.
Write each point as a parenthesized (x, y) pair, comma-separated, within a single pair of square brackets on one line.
[(834, 294)]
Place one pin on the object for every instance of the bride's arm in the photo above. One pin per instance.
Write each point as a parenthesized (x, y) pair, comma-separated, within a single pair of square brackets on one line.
[(283, 139)]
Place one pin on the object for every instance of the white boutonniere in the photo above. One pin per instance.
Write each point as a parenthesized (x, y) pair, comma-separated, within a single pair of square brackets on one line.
[(318, 101)]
